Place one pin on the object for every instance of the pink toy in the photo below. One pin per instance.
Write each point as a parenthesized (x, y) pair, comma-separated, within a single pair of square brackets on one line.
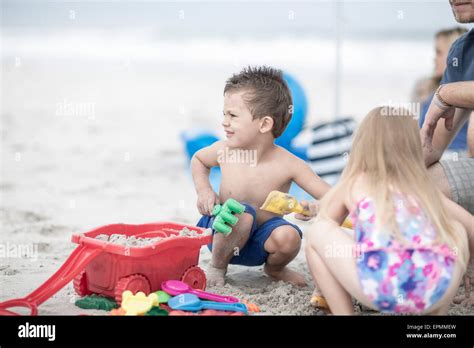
[(176, 287)]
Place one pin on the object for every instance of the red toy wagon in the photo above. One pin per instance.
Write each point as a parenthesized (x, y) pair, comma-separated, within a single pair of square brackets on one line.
[(101, 267)]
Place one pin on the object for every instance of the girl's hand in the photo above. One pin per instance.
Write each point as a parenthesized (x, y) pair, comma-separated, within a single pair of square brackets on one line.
[(313, 208), (206, 201)]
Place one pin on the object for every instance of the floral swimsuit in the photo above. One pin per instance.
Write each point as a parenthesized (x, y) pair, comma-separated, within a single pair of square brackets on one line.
[(398, 278)]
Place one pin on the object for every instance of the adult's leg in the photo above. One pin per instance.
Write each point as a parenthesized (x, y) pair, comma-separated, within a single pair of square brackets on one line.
[(459, 175)]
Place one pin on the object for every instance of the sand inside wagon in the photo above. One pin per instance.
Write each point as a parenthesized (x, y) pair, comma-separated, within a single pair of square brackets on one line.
[(138, 242)]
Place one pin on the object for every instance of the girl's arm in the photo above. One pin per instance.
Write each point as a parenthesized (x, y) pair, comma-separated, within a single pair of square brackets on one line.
[(334, 204)]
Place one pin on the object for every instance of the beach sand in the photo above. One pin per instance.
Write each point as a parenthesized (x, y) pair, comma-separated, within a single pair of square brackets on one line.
[(21, 274)]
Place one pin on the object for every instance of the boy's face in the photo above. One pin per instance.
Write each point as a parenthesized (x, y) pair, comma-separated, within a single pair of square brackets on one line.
[(240, 127)]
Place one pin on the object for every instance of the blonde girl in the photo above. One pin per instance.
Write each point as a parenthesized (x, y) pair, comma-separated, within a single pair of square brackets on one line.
[(410, 245)]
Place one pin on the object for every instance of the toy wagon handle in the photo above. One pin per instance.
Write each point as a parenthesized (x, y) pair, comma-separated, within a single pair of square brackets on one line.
[(76, 262), (17, 303)]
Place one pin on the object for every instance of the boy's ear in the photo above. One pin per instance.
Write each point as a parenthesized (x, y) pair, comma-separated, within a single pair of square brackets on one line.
[(266, 124)]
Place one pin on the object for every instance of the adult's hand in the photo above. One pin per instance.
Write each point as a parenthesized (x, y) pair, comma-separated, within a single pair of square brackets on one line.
[(434, 114)]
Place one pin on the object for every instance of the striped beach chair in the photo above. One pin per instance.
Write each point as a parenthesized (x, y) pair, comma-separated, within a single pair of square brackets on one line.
[(329, 146)]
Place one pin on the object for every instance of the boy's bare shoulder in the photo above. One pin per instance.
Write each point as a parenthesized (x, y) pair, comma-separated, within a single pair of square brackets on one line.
[(219, 144), (214, 148), (282, 154), (209, 154)]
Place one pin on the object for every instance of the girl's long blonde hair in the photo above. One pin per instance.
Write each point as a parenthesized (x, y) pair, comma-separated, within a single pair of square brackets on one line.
[(387, 149)]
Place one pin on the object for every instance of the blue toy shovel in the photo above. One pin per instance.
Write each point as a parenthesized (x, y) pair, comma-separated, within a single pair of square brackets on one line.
[(190, 302)]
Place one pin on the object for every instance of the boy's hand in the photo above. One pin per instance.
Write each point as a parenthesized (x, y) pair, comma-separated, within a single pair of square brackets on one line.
[(206, 201), (313, 208)]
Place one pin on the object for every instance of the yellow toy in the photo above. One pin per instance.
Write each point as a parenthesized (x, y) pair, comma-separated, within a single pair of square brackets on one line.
[(347, 223), (283, 203), (139, 303)]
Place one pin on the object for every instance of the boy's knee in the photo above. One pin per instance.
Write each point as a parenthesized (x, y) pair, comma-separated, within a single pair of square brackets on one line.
[(245, 219), (285, 239)]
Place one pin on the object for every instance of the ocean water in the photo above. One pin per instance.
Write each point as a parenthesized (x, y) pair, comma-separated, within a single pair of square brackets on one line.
[(385, 45)]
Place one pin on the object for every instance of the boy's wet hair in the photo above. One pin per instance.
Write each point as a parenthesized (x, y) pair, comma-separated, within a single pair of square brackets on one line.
[(267, 94)]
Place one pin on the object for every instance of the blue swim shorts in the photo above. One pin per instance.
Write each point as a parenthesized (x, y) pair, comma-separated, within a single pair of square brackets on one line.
[(253, 253)]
